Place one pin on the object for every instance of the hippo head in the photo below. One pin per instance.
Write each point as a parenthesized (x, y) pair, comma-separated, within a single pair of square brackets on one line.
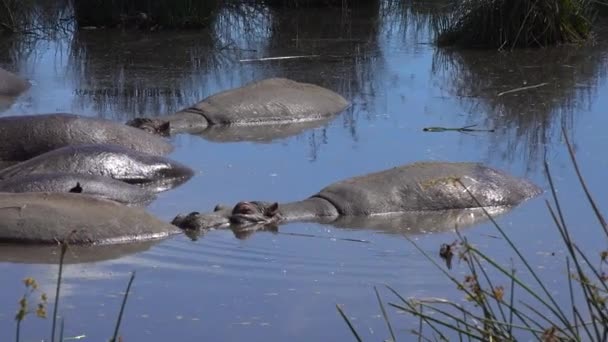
[(197, 221), (154, 126), (254, 213)]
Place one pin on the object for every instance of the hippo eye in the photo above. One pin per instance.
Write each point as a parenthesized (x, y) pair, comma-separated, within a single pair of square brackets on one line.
[(194, 213), (245, 210)]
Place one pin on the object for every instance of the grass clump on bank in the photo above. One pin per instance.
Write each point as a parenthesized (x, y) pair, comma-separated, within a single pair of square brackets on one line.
[(149, 14), (508, 24), (501, 305)]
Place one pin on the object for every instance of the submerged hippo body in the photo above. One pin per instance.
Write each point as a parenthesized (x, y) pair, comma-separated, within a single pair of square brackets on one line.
[(268, 102), (24, 137), (155, 172), (45, 218), (98, 186), (12, 85), (418, 187)]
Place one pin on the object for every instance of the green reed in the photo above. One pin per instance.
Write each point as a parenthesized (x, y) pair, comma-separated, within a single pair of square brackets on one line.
[(508, 24)]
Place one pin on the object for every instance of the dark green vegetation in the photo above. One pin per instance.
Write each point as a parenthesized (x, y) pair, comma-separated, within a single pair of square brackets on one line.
[(57, 332), (505, 307), (144, 13), (508, 24)]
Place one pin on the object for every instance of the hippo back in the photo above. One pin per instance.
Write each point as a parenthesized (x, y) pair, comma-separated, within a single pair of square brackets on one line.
[(427, 186), (43, 218), (274, 100), (25, 137), (11, 84), (103, 160)]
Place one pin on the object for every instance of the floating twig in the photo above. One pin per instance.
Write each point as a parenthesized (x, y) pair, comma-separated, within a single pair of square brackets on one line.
[(277, 58), (324, 237), (523, 88), (459, 129)]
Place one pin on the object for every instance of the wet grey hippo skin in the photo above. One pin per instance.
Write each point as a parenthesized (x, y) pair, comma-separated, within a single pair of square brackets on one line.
[(155, 172), (24, 137), (268, 102), (99, 186), (11, 84), (44, 218), (424, 186)]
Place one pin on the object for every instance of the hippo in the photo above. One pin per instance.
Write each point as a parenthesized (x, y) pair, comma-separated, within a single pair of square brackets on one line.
[(406, 223), (155, 172), (25, 137), (46, 217), (417, 187), (93, 185), (12, 85), (267, 102)]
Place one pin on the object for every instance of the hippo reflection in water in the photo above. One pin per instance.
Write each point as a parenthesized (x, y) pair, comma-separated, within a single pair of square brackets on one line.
[(12, 85), (236, 114), (416, 188)]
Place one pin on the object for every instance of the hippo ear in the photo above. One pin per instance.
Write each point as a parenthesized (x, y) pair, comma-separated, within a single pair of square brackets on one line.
[(165, 128), (77, 189), (272, 210)]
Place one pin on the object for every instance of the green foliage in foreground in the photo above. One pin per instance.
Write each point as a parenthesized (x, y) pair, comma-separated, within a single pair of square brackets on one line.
[(524, 309), (508, 24)]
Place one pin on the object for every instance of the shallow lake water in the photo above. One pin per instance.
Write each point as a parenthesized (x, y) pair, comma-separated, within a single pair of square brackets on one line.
[(285, 284)]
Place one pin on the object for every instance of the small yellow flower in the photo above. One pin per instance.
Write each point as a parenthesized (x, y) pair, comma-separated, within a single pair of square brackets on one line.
[(29, 281), (41, 311), (499, 293)]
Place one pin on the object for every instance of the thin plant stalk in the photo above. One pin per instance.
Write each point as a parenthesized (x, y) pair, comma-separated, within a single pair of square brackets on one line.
[(555, 309), (348, 322), (64, 248), (385, 315), (122, 308)]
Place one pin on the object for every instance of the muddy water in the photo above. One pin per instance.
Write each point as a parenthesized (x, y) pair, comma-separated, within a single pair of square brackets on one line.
[(285, 285)]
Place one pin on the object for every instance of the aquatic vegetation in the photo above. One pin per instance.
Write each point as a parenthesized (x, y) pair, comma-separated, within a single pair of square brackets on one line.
[(508, 24), (505, 307)]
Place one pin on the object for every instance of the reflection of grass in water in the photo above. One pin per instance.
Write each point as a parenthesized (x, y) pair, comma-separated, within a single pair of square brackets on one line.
[(515, 23), (32, 286), (144, 13), (499, 311), (524, 121), (102, 60), (35, 18)]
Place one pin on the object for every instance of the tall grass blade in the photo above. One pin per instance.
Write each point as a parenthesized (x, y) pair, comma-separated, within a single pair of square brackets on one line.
[(350, 325), (122, 308), (596, 210), (385, 315), (18, 332), (554, 308), (61, 326), (64, 248)]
